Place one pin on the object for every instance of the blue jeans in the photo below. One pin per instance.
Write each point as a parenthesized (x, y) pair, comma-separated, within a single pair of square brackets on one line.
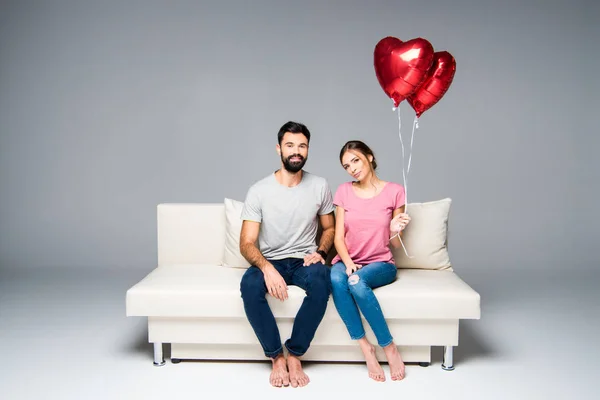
[(351, 295), (314, 279)]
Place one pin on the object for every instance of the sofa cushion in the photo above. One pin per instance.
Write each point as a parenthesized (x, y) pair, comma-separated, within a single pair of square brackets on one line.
[(233, 227), (190, 233), (213, 291), (426, 237)]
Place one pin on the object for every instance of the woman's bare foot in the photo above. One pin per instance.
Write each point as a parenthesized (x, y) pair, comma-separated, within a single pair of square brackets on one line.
[(279, 376), (395, 362), (375, 371), (297, 375)]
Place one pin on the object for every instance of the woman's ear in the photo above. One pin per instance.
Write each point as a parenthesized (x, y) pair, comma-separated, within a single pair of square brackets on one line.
[(370, 158)]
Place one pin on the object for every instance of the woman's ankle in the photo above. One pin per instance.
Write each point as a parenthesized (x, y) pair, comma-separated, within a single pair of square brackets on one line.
[(365, 345), (390, 348)]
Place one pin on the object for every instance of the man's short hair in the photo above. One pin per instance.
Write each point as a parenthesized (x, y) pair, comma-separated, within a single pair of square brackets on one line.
[(294, 127)]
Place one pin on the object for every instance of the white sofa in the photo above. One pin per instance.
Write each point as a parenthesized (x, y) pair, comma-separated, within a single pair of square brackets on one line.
[(192, 298)]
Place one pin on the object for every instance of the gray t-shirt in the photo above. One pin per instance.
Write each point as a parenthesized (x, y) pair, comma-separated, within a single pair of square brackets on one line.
[(288, 215)]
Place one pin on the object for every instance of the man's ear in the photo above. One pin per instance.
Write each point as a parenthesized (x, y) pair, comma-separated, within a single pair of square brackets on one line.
[(278, 148)]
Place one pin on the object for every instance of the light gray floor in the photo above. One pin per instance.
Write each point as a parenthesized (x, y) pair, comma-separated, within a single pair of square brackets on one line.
[(64, 335)]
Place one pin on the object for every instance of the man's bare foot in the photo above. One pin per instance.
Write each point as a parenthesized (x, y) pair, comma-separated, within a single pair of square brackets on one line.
[(297, 375), (375, 371), (279, 376), (395, 362)]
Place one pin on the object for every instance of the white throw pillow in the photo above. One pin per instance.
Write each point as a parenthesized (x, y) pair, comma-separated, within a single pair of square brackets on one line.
[(233, 226), (426, 237)]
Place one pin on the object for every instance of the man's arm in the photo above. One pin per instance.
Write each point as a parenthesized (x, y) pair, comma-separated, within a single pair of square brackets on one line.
[(328, 226), (328, 231), (274, 281), (248, 239)]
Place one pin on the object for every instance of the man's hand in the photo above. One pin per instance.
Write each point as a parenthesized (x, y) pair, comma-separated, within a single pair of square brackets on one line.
[(313, 259), (275, 283)]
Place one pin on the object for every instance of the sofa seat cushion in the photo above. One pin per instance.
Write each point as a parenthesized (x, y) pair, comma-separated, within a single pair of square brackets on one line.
[(206, 291)]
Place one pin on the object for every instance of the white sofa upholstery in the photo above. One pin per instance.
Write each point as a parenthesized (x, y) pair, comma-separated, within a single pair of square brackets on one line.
[(193, 302)]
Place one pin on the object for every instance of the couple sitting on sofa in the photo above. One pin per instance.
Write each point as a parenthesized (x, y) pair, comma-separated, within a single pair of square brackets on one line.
[(278, 239)]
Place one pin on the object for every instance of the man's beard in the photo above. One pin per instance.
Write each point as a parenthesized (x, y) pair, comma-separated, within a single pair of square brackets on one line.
[(295, 166)]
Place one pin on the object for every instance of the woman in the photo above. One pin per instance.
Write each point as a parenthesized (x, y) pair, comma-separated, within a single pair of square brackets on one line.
[(369, 216)]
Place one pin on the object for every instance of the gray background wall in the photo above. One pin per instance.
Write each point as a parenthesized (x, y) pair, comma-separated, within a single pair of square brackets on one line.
[(109, 108)]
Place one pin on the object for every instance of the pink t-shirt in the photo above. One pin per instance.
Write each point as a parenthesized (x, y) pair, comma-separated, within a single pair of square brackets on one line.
[(367, 222)]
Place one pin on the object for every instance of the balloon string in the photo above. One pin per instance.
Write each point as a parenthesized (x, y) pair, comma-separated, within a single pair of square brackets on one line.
[(404, 175), (402, 144), (412, 139)]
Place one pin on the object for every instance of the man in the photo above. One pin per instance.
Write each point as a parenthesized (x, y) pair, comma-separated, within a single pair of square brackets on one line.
[(281, 212)]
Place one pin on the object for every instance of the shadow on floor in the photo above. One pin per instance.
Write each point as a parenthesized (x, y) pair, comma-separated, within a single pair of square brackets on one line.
[(471, 345), (138, 344)]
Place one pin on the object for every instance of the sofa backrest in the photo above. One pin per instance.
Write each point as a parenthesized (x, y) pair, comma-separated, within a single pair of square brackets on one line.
[(190, 233)]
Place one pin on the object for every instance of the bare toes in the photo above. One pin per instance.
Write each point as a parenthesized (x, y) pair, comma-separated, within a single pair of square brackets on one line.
[(376, 377), (398, 376)]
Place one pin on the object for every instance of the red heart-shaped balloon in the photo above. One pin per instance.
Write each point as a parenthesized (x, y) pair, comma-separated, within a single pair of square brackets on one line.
[(401, 67), (438, 80)]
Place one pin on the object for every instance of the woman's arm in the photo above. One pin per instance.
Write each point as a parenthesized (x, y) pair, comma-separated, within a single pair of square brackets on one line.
[(397, 225), (340, 243)]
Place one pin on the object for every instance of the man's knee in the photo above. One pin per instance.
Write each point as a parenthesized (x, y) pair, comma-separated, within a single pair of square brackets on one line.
[(252, 284)]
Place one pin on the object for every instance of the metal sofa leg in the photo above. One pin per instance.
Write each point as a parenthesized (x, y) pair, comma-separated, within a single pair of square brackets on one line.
[(448, 363), (158, 354)]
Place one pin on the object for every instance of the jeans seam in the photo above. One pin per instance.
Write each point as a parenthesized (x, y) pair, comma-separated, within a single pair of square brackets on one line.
[(378, 274), (346, 322), (352, 336), (273, 354), (293, 352)]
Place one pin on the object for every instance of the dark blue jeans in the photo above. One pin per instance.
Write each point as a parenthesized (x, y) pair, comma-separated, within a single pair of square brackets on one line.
[(314, 279)]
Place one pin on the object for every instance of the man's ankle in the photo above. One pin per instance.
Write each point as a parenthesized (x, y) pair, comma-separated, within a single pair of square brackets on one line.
[(293, 357)]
